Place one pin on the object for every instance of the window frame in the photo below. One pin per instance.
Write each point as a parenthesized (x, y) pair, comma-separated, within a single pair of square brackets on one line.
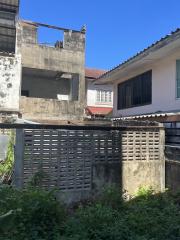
[(133, 84), (103, 96), (24, 93), (177, 97)]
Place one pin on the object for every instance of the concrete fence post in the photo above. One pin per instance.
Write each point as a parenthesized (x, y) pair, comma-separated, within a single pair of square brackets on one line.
[(143, 160), (19, 159), (162, 155)]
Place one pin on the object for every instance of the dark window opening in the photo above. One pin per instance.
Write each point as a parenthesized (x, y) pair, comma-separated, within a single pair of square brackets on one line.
[(50, 85), (7, 39), (8, 10), (136, 91), (7, 16), (25, 93)]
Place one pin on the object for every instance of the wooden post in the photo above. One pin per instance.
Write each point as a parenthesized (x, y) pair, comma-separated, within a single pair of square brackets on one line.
[(19, 159)]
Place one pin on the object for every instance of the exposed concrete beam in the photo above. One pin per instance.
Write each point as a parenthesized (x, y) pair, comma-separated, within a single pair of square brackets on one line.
[(50, 26)]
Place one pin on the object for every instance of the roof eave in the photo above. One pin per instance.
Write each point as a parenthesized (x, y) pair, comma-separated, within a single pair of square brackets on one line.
[(111, 75)]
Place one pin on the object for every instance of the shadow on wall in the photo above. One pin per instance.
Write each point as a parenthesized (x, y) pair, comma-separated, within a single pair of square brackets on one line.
[(172, 169)]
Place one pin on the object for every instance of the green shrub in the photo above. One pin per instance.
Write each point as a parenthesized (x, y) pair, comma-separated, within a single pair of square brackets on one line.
[(144, 192), (34, 214), (7, 166), (111, 196), (147, 217), (37, 215)]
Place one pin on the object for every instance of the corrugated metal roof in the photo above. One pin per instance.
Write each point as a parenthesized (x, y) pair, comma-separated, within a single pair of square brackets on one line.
[(143, 51), (151, 115)]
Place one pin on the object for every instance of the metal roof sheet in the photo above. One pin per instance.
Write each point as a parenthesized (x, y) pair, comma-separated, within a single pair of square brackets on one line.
[(142, 52)]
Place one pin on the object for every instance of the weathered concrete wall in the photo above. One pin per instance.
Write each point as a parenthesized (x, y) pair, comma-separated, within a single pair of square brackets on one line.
[(10, 75), (67, 59), (127, 176), (172, 168), (106, 175), (173, 175), (10, 61), (74, 41), (49, 58), (136, 174), (82, 162), (4, 142), (29, 33), (70, 58), (50, 109)]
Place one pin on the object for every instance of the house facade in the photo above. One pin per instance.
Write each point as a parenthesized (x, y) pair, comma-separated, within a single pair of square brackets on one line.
[(148, 84), (99, 96)]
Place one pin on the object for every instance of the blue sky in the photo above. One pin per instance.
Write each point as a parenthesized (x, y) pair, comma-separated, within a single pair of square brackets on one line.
[(116, 29)]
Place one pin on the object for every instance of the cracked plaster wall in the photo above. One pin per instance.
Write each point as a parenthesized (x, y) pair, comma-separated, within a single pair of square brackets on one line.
[(10, 80)]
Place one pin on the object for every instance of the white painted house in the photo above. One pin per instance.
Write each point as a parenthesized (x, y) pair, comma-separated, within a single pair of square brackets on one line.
[(148, 84), (99, 97)]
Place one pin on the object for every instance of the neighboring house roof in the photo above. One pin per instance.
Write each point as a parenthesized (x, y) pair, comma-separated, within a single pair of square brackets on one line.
[(93, 73), (167, 116), (99, 110), (174, 35)]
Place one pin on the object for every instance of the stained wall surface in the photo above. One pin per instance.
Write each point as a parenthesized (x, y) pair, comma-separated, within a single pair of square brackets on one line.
[(10, 75), (68, 58)]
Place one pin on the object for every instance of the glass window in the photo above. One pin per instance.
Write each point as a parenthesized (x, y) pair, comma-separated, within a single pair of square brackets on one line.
[(103, 96), (109, 97), (136, 91), (98, 97)]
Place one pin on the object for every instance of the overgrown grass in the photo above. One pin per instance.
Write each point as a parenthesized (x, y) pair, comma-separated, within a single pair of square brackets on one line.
[(37, 215)]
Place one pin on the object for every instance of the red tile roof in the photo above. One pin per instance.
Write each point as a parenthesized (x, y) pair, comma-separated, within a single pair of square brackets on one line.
[(94, 73), (98, 110)]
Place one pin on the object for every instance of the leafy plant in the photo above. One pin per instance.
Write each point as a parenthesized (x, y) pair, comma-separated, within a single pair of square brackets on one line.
[(6, 167), (144, 192), (40, 215), (111, 196), (34, 214)]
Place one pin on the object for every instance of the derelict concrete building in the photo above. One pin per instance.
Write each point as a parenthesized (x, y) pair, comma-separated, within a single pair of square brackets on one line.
[(46, 82), (53, 77)]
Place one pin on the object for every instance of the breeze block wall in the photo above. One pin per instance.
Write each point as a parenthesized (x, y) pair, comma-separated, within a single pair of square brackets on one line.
[(80, 161)]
